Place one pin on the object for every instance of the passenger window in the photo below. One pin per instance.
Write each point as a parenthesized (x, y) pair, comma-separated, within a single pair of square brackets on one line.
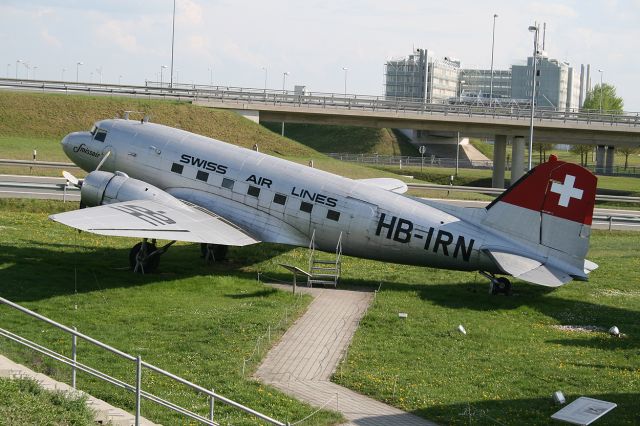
[(203, 176), (279, 199), (254, 191), (306, 207), (101, 135), (333, 215), (227, 183), (177, 168)]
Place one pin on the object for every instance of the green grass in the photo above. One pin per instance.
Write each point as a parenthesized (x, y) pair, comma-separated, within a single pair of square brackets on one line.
[(25, 402), (513, 358), (196, 320), (351, 139)]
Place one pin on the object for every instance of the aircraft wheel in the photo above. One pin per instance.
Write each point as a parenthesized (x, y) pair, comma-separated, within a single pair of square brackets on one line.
[(214, 252), (501, 285), (138, 257)]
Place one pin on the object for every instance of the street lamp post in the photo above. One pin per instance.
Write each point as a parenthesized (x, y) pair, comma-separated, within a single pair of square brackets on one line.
[(19, 61), (162, 68), (345, 69), (284, 79), (173, 32), (265, 79), (35, 67), (99, 71), (78, 71), (601, 72), (493, 39), (535, 29)]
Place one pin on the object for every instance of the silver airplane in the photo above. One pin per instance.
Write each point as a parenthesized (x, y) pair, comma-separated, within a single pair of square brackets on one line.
[(151, 181)]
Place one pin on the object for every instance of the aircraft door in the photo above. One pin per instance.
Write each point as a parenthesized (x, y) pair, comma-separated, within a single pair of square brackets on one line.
[(361, 221)]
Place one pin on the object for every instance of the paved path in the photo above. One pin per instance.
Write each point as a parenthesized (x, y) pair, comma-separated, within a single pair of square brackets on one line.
[(302, 363), (105, 413)]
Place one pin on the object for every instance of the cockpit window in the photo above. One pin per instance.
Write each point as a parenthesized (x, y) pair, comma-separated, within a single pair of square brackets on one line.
[(93, 130), (100, 135)]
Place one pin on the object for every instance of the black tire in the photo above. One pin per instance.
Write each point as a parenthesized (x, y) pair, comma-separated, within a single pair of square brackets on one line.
[(150, 264), (504, 286), (218, 251)]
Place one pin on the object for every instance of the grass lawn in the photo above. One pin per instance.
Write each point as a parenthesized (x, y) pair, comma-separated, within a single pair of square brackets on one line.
[(514, 357), (25, 402), (195, 320)]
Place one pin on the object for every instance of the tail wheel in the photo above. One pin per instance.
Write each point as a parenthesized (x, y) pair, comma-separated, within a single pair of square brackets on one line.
[(140, 259), (214, 252)]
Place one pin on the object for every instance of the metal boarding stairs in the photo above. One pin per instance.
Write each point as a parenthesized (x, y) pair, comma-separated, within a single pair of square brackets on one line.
[(324, 271)]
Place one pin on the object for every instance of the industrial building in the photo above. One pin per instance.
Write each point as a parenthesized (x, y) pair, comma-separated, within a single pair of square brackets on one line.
[(423, 77)]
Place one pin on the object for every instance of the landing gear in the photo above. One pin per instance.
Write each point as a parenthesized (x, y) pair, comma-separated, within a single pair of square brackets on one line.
[(498, 285), (144, 257), (213, 252)]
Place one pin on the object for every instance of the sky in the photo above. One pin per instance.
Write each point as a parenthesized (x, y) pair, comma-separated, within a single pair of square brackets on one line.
[(231, 42)]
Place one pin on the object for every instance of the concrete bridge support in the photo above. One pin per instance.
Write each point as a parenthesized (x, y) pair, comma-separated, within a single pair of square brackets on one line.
[(604, 159), (608, 164), (499, 161), (600, 154), (517, 158)]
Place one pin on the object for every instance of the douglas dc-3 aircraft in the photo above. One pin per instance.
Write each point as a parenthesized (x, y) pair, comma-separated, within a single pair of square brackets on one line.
[(158, 182)]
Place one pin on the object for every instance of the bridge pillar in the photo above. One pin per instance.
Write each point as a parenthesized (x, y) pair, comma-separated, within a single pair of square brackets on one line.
[(517, 159), (608, 167), (499, 161), (600, 157)]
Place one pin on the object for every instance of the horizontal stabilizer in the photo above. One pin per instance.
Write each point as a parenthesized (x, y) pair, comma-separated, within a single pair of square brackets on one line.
[(528, 269), (150, 219), (390, 184)]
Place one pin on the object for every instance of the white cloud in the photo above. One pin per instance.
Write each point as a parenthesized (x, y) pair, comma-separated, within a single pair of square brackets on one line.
[(120, 34), (49, 39), (553, 9), (189, 12)]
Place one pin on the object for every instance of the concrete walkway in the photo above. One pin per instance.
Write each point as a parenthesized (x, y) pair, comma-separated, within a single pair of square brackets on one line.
[(104, 413), (302, 363)]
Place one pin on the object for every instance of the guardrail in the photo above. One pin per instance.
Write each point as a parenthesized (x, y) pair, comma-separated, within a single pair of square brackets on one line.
[(323, 100), (40, 164), (137, 362)]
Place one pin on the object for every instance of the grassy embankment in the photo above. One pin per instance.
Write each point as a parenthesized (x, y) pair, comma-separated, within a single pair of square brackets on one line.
[(25, 402), (350, 139), (196, 320), (31, 121)]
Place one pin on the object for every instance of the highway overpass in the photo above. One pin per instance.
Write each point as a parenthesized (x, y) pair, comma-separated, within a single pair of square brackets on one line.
[(501, 123)]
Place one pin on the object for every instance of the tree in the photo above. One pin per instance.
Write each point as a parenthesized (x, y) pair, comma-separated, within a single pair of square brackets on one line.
[(627, 151), (604, 96), (542, 150), (584, 151)]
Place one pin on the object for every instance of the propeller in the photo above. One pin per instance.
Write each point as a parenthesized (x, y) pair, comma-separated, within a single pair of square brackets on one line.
[(78, 182), (72, 179)]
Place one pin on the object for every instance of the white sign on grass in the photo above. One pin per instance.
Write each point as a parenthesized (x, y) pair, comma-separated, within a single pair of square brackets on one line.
[(584, 411)]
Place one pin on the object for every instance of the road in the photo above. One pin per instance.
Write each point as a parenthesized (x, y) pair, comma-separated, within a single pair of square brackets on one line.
[(54, 188)]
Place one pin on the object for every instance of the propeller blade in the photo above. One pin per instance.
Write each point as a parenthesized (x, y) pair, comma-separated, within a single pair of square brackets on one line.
[(103, 160), (72, 179)]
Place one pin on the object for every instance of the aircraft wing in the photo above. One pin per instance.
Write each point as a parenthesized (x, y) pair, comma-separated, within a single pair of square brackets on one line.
[(390, 184), (150, 219)]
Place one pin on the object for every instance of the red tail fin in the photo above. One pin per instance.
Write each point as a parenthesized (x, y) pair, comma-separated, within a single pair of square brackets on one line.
[(557, 188)]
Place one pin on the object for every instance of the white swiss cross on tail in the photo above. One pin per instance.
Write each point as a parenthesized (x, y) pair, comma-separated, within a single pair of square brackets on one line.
[(567, 190)]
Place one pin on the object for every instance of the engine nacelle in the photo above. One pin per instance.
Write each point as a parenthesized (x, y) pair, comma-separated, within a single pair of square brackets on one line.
[(101, 187)]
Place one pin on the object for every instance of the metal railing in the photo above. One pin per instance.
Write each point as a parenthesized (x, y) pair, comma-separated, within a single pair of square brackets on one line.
[(244, 95), (139, 364)]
